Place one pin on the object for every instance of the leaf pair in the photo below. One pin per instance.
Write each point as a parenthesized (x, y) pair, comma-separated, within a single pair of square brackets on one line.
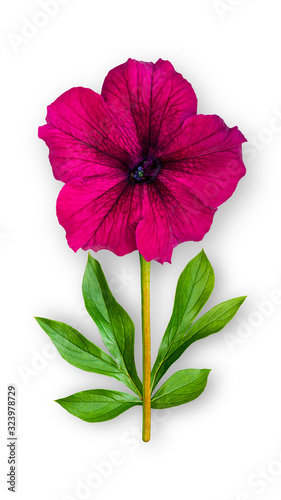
[(118, 334), (98, 405), (194, 287)]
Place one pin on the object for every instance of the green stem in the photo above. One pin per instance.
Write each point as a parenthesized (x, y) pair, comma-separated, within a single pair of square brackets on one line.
[(146, 349)]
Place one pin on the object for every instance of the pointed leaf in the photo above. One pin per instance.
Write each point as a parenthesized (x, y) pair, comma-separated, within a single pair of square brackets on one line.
[(115, 325), (180, 388), (194, 287), (98, 405), (214, 320), (82, 353), (211, 322)]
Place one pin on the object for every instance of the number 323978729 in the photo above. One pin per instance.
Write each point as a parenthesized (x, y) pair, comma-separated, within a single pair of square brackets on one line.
[(11, 409)]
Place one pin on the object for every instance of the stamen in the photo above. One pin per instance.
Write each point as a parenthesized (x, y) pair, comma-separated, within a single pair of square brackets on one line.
[(145, 171)]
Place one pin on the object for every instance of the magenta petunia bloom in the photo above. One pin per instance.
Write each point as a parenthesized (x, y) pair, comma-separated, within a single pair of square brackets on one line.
[(142, 170)]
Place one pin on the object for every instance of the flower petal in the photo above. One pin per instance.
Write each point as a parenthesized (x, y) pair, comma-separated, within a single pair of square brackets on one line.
[(153, 99), (100, 213), (206, 156), (154, 234), (72, 158), (189, 217), (82, 134), (170, 215)]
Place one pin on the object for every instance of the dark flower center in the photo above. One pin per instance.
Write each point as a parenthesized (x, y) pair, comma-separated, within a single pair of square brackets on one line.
[(146, 171)]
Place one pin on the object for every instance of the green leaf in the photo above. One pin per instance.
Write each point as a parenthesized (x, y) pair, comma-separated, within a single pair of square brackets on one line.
[(98, 405), (214, 320), (194, 287), (211, 322), (115, 325), (180, 388), (82, 353)]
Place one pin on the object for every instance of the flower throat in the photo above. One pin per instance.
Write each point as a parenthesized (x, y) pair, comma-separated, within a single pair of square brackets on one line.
[(146, 171)]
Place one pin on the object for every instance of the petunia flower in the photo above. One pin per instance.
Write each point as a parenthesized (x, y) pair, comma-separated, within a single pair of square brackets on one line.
[(142, 170)]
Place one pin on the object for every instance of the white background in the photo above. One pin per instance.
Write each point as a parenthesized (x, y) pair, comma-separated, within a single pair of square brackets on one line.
[(226, 445)]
